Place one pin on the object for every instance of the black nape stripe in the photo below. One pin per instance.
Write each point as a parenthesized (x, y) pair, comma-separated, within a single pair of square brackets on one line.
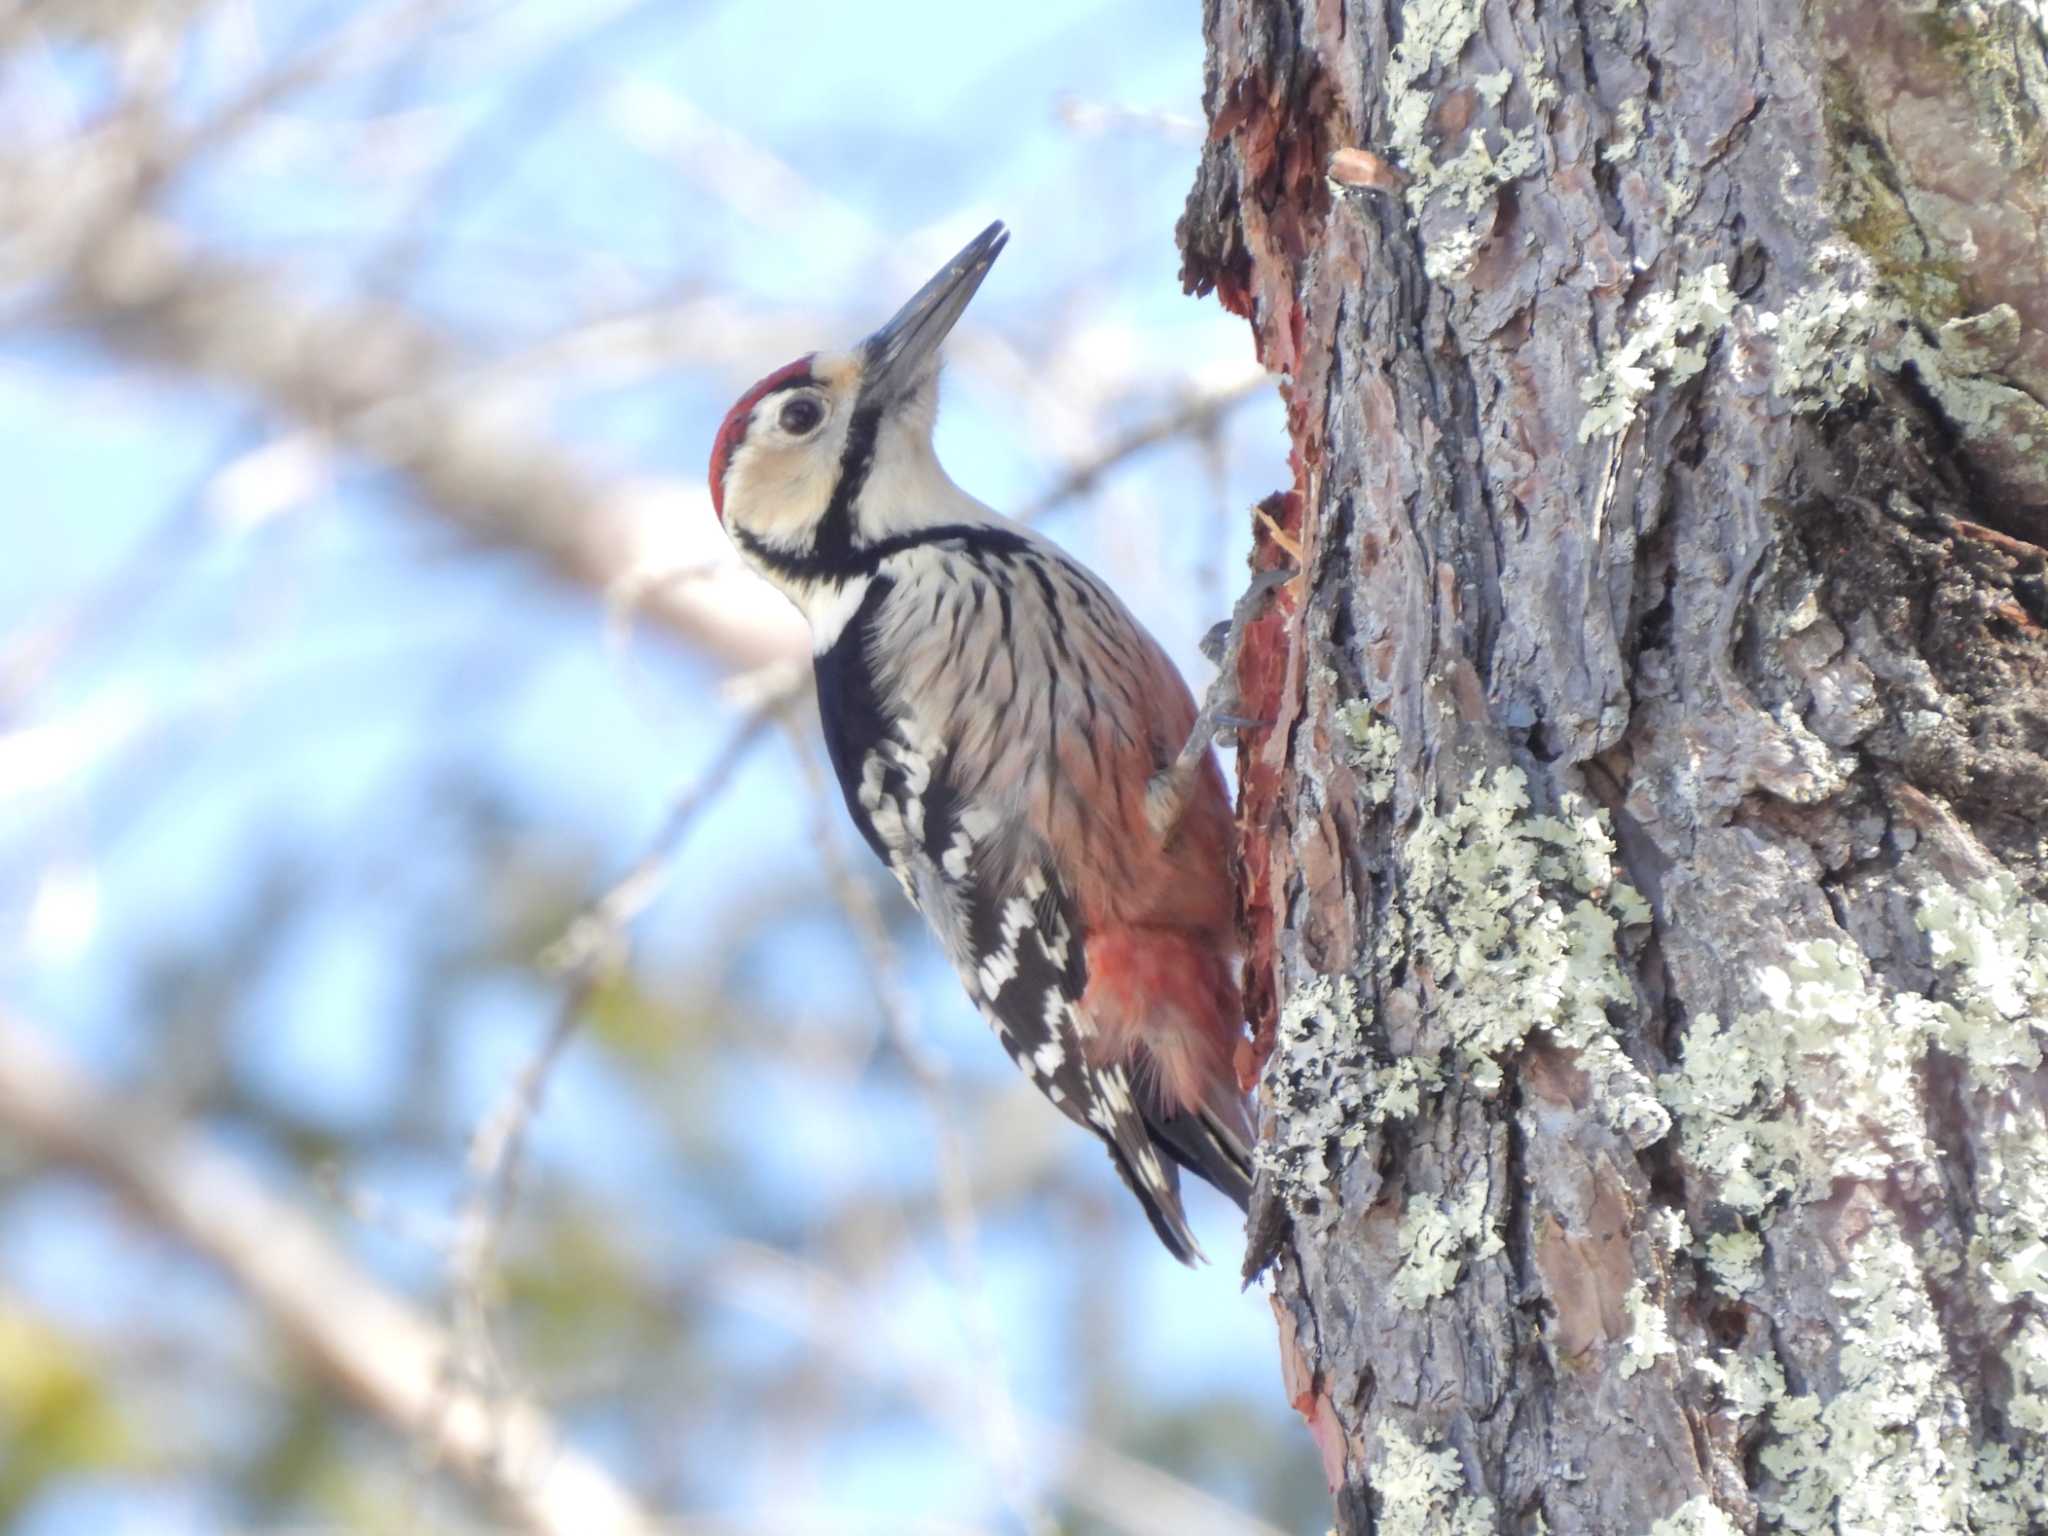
[(834, 557)]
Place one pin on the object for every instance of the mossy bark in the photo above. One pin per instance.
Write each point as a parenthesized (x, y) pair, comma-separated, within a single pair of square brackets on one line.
[(1670, 497)]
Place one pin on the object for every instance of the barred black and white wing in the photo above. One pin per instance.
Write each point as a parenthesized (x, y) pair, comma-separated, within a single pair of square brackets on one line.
[(1020, 954), (999, 909)]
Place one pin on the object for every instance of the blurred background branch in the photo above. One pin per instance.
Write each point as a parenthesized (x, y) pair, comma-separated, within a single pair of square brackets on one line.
[(370, 1346), (364, 611)]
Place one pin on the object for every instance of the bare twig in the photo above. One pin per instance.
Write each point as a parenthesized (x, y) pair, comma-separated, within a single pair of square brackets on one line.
[(995, 1412), (1123, 1493), (1194, 416), (1094, 118), (374, 1347), (384, 384), (593, 946), (368, 37)]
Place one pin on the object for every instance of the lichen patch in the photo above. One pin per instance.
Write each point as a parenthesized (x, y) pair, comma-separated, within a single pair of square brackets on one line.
[(1669, 341), (1514, 917), (1422, 1492)]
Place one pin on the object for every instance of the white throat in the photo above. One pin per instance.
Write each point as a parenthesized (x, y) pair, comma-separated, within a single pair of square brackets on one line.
[(829, 609)]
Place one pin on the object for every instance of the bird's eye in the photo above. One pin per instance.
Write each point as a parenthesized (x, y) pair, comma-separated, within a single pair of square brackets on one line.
[(801, 415)]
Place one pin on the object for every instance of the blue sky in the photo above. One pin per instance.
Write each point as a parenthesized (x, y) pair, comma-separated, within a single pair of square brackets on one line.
[(295, 688)]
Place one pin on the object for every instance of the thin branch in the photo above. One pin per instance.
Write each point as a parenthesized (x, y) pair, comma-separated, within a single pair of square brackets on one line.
[(368, 37), (391, 388), (592, 947), (1125, 1494), (995, 1412), (1196, 416), (374, 1347)]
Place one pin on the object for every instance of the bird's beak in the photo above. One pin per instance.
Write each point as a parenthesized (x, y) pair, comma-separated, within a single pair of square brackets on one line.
[(898, 357)]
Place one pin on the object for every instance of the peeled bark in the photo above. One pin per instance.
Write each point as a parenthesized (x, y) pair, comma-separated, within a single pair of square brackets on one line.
[(1644, 865)]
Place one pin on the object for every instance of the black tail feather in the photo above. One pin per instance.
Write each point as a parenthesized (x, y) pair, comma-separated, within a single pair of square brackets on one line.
[(1162, 1208), (1208, 1148)]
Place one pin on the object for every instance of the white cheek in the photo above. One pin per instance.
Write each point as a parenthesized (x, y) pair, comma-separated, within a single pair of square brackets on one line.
[(780, 489)]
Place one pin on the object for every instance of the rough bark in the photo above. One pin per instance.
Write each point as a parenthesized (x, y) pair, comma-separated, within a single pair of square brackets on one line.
[(1643, 868)]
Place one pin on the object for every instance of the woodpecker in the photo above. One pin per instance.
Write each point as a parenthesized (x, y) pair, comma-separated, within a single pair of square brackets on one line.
[(1013, 745)]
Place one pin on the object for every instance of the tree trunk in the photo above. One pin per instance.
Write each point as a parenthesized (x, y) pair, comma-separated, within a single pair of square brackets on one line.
[(1643, 867)]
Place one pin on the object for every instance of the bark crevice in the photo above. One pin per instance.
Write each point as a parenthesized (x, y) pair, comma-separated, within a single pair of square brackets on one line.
[(1671, 582)]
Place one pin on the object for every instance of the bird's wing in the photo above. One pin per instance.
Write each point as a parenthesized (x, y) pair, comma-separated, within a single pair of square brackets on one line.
[(994, 897), (1011, 929)]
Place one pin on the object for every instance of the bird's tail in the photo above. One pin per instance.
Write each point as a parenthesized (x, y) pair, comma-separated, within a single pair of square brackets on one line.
[(1165, 1000), (1209, 1146)]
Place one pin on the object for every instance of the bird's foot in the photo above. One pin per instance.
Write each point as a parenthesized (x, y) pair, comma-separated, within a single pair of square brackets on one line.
[(1171, 790)]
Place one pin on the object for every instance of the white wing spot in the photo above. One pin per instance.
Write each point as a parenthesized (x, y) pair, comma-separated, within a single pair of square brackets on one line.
[(999, 967), (871, 772), (996, 971), (1048, 1057)]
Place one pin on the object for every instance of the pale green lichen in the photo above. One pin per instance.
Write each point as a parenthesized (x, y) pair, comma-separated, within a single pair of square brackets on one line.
[(1750, 1384), (1327, 1093), (1433, 34), (1828, 337), (2012, 1494), (2009, 1246), (1513, 919), (1478, 170), (1696, 1517), (1450, 256), (1435, 1238), (2027, 1358), (1994, 941), (1422, 1492), (1737, 1260), (1826, 1035), (1853, 319), (1649, 1335), (1667, 1228), (1889, 1452), (1375, 750), (1880, 225), (1820, 1084), (2005, 426), (1311, 1078), (1657, 348), (1628, 130), (1822, 340)]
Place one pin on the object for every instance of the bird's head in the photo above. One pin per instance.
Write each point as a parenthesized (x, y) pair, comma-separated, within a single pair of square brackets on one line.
[(831, 454)]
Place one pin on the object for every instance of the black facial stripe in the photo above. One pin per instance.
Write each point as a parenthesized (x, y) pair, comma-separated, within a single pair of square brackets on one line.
[(833, 544), (827, 561)]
